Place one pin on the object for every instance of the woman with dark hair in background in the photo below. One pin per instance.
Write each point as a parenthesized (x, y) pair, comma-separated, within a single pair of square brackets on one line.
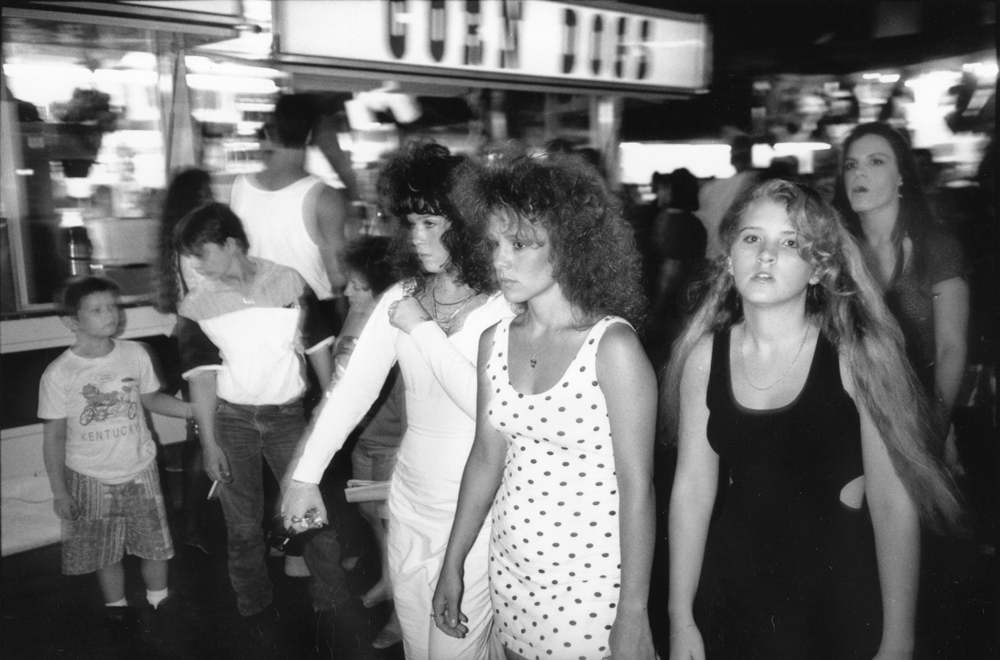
[(430, 323), (566, 418), (919, 265), (188, 190), (369, 271), (793, 376), (681, 242)]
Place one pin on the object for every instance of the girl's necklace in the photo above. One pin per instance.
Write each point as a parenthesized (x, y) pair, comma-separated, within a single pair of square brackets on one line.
[(795, 359), (534, 354), (446, 322), (438, 302)]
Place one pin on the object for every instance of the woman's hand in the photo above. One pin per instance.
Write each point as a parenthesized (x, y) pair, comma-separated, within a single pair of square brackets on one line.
[(686, 643), (65, 508), (631, 636), (447, 604), (301, 501), (407, 313)]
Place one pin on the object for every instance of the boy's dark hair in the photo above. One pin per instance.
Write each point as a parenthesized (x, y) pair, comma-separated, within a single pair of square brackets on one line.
[(212, 223), (295, 116), (369, 257), (75, 289)]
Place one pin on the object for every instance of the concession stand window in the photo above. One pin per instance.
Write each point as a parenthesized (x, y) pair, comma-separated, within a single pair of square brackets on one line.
[(88, 132)]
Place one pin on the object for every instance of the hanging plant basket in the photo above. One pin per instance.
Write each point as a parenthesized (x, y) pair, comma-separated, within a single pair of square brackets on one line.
[(75, 145), (77, 139)]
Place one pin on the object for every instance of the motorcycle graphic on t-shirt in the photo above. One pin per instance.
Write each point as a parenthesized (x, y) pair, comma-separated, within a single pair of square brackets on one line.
[(108, 405)]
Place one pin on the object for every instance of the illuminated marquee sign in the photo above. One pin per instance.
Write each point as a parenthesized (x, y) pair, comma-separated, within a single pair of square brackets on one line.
[(576, 43)]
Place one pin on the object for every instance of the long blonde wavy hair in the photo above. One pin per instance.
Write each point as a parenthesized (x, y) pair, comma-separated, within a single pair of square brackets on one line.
[(848, 307)]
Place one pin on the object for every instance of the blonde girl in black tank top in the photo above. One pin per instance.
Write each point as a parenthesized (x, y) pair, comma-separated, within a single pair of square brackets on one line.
[(793, 371)]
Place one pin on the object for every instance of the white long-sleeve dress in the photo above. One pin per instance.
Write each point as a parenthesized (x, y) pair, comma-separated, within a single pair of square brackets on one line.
[(439, 377)]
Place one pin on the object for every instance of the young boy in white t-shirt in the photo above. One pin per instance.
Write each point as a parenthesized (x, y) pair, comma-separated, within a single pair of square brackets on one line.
[(99, 453)]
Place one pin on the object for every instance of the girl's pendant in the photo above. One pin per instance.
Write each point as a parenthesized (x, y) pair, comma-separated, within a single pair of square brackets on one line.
[(532, 362)]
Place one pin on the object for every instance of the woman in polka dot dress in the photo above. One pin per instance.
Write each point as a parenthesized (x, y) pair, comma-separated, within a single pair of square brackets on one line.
[(566, 416)]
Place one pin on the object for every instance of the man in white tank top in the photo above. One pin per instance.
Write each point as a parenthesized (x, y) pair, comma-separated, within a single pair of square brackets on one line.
[(290, 216)]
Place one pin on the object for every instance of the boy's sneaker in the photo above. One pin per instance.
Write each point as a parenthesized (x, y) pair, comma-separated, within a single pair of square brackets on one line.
[(121, 625), (120, 631), (165, 621), (124, 617)]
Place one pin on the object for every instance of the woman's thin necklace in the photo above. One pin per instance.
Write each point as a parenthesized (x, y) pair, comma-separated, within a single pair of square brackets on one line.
[(446, 323), (438, 302), (534, 354), (795, 359)]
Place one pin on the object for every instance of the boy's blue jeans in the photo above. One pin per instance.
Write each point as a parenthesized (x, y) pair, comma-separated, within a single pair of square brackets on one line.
[(248, 434)]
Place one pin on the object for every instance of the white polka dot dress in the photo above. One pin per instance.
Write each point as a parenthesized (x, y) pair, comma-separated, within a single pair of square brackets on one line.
[(555, 559)]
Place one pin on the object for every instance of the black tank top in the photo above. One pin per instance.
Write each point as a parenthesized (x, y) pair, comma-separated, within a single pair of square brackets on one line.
[(783, 549)]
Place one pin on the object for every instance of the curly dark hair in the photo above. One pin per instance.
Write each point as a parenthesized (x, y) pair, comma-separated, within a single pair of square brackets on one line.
[(595, 260), (419, 179), (368, 256)]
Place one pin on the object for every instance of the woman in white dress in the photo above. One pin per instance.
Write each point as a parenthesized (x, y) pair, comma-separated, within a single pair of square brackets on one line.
[(564, 435), (430, 323)]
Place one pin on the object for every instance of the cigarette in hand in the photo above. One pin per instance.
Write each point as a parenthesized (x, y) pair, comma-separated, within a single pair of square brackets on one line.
[(211, 491)]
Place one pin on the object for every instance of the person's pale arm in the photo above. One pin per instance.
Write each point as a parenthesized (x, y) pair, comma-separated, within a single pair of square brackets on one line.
[(897, 536), (480, 480), (347, 403), (331, 214), (692, 498), (951, 326), (322, 363), (54, 456), (326, 139), (166, 405), (201, 388), (629, 387)]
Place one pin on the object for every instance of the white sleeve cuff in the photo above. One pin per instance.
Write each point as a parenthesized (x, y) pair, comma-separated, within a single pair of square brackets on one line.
[(321, 345), (191, 373)]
